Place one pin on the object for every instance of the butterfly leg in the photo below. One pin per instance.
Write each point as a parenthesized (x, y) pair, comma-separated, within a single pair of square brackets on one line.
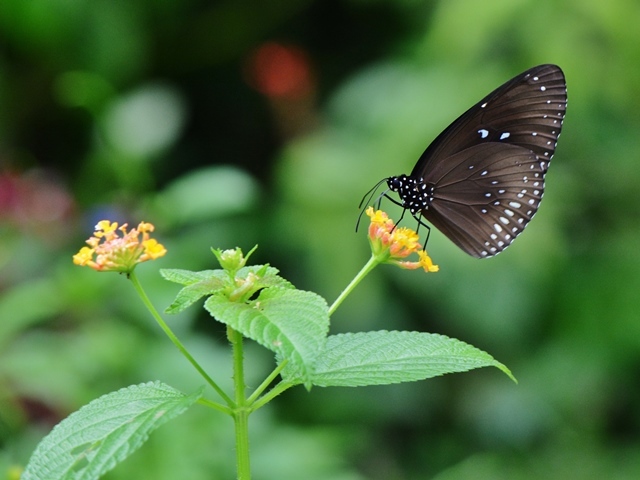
[(393, 200), (420, 222)]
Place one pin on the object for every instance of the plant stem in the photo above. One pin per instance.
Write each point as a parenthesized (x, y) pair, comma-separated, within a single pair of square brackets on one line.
[(174, 339), (241, 411), (267, 381), (370, 265), (216, 406), (270, 395)]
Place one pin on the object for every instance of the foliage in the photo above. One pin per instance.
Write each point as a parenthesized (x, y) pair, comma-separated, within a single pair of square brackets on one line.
[(101, 434), (254, 302), (133, 110)]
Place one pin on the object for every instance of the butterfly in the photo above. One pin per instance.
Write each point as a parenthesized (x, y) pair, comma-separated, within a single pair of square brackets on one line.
[(481, 180)]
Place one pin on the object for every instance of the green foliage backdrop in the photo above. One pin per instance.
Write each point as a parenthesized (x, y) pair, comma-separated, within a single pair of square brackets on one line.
[(234, 123)]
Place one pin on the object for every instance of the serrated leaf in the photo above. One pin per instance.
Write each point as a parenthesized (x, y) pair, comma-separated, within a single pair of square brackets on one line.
[(382, 358), (194, 292), (209, 282), (103, 433), (187, 277), (267, 276), (291, 323)]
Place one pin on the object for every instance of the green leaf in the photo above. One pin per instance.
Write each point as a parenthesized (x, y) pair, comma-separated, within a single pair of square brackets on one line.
[(194, 292), (187, 277), (209, 282), (382, 358), (268, 276), (103, 433), (291, 323)]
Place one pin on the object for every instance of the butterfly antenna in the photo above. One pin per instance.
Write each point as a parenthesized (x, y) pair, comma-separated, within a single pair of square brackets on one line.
[(368, 196), (371, 193)]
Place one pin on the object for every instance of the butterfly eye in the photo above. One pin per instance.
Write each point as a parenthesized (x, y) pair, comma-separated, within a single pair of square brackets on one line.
[(484, 173)]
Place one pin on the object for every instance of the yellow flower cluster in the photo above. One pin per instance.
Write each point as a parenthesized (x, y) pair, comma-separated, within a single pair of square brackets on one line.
[(113, 249), (396, 243)]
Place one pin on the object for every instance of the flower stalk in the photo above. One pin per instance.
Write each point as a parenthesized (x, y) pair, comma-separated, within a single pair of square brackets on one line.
[(389, 244)]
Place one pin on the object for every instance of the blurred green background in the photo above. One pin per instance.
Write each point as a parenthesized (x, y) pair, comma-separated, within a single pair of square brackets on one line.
[(241, 122)]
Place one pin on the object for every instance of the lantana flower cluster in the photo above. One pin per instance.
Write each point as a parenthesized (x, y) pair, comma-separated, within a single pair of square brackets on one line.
[(114, 249), (394, 244)]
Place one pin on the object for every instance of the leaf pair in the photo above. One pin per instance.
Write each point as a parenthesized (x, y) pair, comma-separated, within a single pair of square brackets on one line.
[(291, 323), (294, 325)]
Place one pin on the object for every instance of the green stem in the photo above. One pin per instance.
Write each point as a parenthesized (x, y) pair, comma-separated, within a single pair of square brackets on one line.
[(241, 420), (370, 265), (216, 406), (242, 410), (270, 395), (267, 381), (174, 339)]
